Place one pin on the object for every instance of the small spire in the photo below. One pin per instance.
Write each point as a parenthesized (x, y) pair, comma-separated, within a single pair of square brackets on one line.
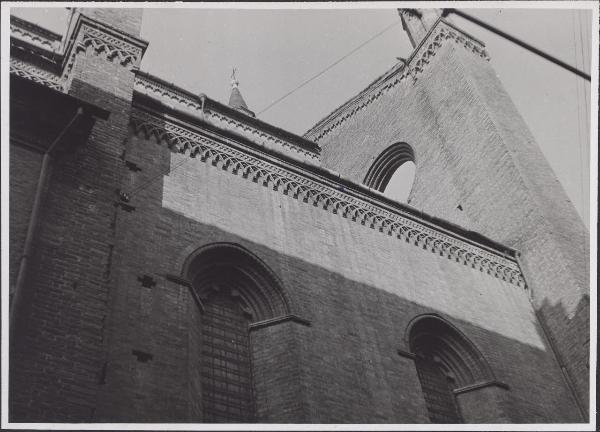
[(235, 99)]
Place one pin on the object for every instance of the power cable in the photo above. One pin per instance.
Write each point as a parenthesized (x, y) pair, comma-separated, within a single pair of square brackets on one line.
[(518, 42), (578, 104), (583, 131), (152, 179), (446, 12), (125, 196), (272, 104), (157, 176), (585, 143), (583, 62)]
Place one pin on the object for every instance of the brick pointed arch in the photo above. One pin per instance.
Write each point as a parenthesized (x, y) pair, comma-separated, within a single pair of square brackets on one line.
[(218, 266), (463, 359), (386, 164), (447, 364), (237, 293)]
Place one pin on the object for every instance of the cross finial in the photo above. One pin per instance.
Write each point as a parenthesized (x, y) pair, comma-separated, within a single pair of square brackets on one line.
[(234, 81)]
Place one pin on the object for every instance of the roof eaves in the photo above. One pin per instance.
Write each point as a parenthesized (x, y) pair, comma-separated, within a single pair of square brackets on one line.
[(237, 114), (333, 178)]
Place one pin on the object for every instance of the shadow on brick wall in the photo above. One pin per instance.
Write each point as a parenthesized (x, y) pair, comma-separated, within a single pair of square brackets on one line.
[(109, 334), (347, 366)]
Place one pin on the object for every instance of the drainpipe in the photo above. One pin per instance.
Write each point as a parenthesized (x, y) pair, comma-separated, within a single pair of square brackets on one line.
[(15, 304)]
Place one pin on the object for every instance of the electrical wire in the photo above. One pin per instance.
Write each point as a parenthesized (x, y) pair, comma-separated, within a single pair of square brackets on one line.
[(154, 178), (517, 41), (157, 176), (583, 63), (128, 196), (578, 103), (381, 32), (585, 143), (272, 104), (585, 126)]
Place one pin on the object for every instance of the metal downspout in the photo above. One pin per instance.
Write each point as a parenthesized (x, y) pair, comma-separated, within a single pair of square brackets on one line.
[(16, 303)]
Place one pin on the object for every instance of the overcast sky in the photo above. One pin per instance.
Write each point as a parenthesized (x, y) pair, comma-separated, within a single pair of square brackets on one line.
[(276, 50)]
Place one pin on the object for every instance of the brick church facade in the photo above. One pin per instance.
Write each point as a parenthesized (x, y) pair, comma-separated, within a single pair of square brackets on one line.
[(176, 259)]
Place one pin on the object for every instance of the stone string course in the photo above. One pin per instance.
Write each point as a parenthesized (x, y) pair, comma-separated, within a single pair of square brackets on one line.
[(321, 195), (440, 33)]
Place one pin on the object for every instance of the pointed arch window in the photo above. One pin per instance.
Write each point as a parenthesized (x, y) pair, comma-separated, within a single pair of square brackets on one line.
[(234, 289), (446, 361), (393, 172)]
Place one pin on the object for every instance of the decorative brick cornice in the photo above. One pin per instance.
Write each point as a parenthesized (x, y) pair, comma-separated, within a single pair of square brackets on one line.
[(110, 47), (95, 38), (167, 93), (34, 35), (96, 42), (34, 53), (421, 56), (88, 36), (316, 190), (255, 134), (35, 73), (174, 97)]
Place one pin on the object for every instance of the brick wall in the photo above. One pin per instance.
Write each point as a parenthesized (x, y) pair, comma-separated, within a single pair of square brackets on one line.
[(111, 338), (58, 364), (359, 289), (127, 20), (473, 150), (23, 178)]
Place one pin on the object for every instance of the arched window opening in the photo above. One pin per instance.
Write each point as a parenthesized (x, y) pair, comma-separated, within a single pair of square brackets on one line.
[(445, 361), (393, 172), (235, 289), (400, 185), (226, 375)]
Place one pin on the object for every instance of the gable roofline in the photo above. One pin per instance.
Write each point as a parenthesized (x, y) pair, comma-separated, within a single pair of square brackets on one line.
[(397, 73)]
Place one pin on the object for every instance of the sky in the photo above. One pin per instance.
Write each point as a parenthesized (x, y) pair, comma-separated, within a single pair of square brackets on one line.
[(275, 51)]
